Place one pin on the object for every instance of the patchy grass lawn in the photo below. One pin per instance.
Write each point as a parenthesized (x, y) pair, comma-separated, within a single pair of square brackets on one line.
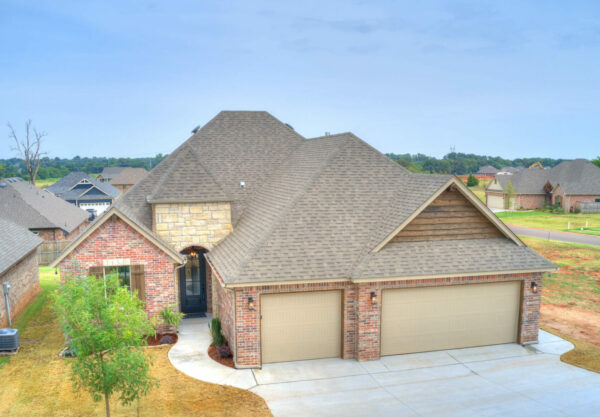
[(40, 382), (585, 355), (46, 182), (552, 221), (571, 296)]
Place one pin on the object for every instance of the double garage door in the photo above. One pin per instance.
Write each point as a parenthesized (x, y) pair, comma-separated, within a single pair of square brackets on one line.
[(495, 201), (308, 325)]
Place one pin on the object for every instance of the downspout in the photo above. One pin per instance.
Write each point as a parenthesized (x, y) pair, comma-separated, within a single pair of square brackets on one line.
[(6, 287), (177, 280)]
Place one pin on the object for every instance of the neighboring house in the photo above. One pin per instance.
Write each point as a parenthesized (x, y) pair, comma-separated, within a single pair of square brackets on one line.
[(108, 173), (127, 178), (487, 171), (85, 192), (314, 248), (40, 211), (18, 268), (566, 184)]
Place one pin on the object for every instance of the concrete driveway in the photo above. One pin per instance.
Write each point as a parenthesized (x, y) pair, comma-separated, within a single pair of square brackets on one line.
[(501, 380)]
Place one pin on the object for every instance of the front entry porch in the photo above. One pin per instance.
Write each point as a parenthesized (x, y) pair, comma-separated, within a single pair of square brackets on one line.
[(194, 283)]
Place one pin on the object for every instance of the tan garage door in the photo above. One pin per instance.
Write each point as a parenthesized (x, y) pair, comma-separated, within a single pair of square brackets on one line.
[(495, 201), (298, 326), (435, 318)]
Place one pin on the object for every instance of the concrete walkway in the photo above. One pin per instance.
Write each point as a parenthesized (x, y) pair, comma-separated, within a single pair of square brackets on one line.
[(500, 380), (570, 237)]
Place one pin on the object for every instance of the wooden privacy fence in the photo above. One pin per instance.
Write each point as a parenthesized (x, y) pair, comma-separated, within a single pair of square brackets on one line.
[(588, 207), (49, 251)]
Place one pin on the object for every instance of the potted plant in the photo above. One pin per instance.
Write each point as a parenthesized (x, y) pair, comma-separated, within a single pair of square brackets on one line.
[(170, 321)]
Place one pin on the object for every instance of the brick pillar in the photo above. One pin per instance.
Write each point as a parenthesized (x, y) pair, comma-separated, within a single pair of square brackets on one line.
[(368, 322), (349, 336), (530, 309), (247, 325)]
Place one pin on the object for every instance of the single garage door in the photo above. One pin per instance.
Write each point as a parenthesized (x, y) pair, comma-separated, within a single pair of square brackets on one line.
[(457, 316), (495, 201), (298, 326)]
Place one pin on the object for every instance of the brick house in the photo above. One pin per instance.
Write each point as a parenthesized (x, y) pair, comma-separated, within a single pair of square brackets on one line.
[(313, 248), (46, 215), (567, 184), (18, 267)]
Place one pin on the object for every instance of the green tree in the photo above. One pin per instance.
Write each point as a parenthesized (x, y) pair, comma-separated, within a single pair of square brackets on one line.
[(472, 181), (106, 326), (596, 162), (509, 191)]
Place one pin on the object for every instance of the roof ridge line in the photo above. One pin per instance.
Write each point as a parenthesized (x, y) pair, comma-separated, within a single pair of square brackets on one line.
[(167, 174), (36, 210), (210, 174), (318, 172)]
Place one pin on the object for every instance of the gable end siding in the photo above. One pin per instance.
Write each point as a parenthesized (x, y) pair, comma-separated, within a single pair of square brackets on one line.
[(449, 216)]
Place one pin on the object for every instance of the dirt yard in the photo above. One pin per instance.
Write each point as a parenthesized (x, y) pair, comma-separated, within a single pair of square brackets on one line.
[(571, 296), (40, 382)]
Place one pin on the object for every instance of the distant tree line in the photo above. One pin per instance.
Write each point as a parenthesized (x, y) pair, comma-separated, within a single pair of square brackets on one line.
[(59, 167), (462, 164)]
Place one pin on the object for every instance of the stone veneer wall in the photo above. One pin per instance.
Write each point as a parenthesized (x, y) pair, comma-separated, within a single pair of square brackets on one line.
[(24, 286), (361, 319), (116, 240), (192, 224)]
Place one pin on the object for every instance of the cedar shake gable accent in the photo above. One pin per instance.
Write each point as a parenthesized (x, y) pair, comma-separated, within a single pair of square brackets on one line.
[(450, 209)]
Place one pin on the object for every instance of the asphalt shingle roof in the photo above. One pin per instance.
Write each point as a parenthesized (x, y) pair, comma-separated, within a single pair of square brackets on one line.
[(488, 170), (311, 208), (575, 177), (15, 243), (64, 188), (110, 172), (33, 208), (128, 176)]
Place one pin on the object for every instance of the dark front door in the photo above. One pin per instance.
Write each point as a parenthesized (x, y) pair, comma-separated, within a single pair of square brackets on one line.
[(192, 284)]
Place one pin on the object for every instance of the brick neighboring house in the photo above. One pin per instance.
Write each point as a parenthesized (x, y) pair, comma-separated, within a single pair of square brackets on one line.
[(566, 184), (46, 215), (85, 192), (127, 178), (18, 267), (313, 248), (108, 173)]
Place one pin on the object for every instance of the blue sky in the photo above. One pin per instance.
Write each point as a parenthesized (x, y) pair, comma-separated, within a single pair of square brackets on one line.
[(120, 78)]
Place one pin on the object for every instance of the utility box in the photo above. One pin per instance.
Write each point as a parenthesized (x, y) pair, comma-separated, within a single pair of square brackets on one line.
[(9, 339)]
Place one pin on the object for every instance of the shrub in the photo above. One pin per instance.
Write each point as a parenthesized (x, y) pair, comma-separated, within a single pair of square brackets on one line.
[(215, 331), (223, 351), (472, 181), (170, 317)]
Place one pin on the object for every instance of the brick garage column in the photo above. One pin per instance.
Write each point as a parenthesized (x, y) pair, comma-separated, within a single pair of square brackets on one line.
[(368, 322), (530, 309), (349, 335), (247, 325)]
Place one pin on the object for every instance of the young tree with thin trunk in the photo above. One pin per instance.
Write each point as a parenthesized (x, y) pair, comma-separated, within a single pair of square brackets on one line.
[(106, 327), (29, 148), (509, 191)]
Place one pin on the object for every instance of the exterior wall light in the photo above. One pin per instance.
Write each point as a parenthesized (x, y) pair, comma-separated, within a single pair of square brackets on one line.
[(534, 287), (193, 254), (373, 298), (250, 303)]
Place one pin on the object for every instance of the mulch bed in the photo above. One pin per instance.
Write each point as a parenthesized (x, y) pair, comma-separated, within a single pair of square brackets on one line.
[(212, 352), (163, 339)]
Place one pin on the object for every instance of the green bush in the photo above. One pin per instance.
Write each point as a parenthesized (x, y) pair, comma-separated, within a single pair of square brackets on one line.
[(472, 181), (170, 317), (215, 331)]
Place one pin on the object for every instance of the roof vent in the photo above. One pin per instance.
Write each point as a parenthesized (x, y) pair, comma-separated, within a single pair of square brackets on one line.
[(242, 184), (195, 130), (290, 126), (327, 134)]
